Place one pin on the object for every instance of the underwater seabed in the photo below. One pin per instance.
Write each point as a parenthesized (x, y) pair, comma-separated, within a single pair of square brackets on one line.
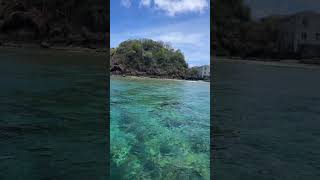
[(160, 129)]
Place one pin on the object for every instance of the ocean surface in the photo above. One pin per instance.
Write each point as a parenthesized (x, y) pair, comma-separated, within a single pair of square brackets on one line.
[(267, 122), (52, 115), (160, 129)]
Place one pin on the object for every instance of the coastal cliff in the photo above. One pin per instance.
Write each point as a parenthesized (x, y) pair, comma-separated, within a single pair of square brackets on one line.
[(80, 23)]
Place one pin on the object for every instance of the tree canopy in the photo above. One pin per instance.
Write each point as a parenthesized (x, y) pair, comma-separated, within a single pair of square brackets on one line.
[(148, 57), (57, 21), (237, 34)]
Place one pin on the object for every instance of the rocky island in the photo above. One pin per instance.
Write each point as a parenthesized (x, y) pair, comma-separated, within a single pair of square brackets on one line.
[(146, 57)]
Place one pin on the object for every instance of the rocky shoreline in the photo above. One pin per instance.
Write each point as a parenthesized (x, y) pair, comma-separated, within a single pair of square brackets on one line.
[(279, 63), (117, 71), (142, 75), (100, 50), (154, 77)]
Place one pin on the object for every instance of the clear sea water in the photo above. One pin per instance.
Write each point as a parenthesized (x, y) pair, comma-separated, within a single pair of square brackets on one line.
[(52, 115), (160, 129), (267, 122)]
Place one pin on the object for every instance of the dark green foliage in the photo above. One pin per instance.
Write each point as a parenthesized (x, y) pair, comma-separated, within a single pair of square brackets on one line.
[(148, 57), (57, 21), (193, 74), (228, 19), (236, 34)]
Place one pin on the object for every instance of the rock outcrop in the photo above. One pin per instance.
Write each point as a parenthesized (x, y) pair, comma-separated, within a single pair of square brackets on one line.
[(68, 22)]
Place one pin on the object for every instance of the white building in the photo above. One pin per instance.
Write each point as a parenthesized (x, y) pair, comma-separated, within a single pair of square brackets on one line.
[(204, 71), (300, 32)]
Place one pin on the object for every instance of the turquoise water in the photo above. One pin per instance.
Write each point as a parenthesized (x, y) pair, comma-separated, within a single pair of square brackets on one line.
[(52, 115), (160, 129), (267, 122)]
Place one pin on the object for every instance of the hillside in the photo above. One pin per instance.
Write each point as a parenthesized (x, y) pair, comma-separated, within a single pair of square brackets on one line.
[(229, 20), (54, 22), (149, 58), (237, 34)]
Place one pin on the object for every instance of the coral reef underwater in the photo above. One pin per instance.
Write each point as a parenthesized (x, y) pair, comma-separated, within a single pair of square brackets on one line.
[(160, 129)]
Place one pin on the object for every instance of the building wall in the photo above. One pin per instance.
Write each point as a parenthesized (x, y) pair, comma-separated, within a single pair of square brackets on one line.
[(299, 31), (205, 71), (287, 35), (309, 25)]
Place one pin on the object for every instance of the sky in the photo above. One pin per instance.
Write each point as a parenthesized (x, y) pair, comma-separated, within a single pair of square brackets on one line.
[(261, 8), (184, 24)]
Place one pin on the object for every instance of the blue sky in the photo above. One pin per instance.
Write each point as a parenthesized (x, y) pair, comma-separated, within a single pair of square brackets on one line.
[(185, 24)]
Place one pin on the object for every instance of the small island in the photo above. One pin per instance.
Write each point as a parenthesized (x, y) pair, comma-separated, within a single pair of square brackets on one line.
[(146, 57)]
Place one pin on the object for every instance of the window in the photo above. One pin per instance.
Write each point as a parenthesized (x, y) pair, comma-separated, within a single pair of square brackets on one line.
[(305, 22), (318, 36), (304, 36)]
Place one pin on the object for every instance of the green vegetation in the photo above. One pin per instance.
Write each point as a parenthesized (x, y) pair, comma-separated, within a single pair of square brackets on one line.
[(228, 21), (193, 73), (64, 22), (236, 34), (148, 57)]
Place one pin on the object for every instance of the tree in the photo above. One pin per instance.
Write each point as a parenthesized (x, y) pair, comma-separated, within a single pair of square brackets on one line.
[(150, 57)]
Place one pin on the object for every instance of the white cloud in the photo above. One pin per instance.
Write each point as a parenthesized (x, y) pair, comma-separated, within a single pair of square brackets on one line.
[(174, 7), (180, 38), (192, 37), (145, 3), (126, 3)]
